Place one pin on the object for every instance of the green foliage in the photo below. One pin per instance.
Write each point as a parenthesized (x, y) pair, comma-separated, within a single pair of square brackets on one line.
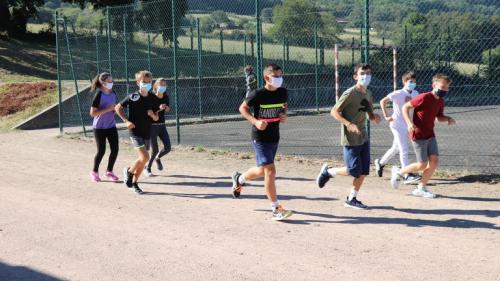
[(14, 15), (491, 58), (220, 17)]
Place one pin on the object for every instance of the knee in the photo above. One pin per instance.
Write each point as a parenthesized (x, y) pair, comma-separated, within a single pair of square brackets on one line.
[(270, 171), (434, 161), (144, 158)]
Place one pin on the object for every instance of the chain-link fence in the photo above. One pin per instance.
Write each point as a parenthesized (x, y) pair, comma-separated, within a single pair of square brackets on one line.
[(315, 43)]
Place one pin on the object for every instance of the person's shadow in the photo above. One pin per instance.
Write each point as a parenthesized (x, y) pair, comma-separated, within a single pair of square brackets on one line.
[(22, 273)]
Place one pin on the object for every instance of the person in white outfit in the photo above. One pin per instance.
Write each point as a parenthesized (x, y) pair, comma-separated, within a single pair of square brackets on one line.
[(398, 125)]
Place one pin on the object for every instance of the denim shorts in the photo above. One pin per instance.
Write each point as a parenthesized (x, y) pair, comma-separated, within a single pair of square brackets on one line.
[(357, 159), (265, 152)]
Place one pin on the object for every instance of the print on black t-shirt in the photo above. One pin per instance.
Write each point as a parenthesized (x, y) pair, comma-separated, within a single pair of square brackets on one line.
[(267, 106)]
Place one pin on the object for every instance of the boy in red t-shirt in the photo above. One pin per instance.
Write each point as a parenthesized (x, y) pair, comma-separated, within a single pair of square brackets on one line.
[(427, 108)]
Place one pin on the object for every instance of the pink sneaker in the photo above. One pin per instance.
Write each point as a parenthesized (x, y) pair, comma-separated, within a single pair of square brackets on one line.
[(111, 176), (95, 176)]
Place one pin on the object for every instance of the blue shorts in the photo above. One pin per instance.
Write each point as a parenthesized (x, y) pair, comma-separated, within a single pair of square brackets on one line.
[(265, 152), (357, 159)]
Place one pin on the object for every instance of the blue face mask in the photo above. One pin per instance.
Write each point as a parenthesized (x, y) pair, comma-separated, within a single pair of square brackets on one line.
[(145, 86), (364, 80), (411, 86), (161, 89)]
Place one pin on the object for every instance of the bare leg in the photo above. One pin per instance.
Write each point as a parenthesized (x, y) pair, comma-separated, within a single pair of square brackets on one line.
[(253, 173), (340, 171), (431, 167), (270, 182), (139, 164), (357, 182), (414, 167)]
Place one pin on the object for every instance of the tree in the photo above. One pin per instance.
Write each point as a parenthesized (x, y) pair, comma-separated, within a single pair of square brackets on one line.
[(296, 20), (220, 17), (14, 15), (267, 15)]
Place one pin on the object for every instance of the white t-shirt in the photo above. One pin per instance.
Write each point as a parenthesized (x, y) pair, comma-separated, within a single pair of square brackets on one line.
[(398, 99)]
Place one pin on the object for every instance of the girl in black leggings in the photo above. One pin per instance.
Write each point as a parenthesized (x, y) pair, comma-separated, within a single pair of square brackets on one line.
[(158, 128), (104, 124)]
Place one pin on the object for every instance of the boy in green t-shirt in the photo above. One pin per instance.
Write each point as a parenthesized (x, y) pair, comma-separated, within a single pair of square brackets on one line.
[(351, 110)]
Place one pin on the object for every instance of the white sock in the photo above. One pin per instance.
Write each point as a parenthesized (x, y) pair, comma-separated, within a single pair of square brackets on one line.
[(275, 205), (353, 194), (241, 180), (332, 172), (420, 186)]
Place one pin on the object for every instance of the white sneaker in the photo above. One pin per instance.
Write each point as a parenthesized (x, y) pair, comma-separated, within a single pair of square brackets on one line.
[(423, 192), (147, 172), (395, 177)]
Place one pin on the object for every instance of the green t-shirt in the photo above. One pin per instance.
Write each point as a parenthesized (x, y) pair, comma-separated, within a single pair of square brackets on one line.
[(354, 107)]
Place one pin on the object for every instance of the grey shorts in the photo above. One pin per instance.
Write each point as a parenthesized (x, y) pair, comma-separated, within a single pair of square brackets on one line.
[(425, 148), (140, 142)]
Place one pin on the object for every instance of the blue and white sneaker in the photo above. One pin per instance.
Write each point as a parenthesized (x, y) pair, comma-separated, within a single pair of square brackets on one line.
[(395, 177), (323, 176), (355, 204)]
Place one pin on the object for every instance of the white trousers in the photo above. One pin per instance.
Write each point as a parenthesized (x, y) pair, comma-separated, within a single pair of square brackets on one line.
[(399, 144)]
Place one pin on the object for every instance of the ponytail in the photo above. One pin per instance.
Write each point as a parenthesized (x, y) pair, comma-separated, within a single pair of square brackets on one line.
[(97, 81)]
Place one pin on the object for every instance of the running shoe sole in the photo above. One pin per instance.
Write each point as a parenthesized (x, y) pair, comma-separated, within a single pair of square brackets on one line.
[(284, 217)]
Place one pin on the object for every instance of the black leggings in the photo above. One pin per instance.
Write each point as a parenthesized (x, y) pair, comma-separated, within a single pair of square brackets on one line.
[(159, 131), (100, 139)]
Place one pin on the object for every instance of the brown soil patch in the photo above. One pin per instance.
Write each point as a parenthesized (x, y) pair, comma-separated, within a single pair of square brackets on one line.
[(18, 96)]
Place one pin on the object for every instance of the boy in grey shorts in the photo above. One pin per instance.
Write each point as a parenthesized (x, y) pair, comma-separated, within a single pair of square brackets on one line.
[(427, 108)]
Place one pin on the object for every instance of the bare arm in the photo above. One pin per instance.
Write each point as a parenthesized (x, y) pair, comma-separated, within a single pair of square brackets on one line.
[(447, 119), (383, 106), (121, 113), (406, 115), (335, 113), (96, 112), (245, 112), (153, 115)]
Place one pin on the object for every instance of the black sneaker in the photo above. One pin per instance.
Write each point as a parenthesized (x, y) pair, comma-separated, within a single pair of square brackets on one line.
[(159, 165), (236, 189), (412, 178), (355, 204), (323, 176), (379, 168), (127, 177), (137, 189)]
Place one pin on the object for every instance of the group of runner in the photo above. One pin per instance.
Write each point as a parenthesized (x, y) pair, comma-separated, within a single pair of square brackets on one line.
[(146, 122)]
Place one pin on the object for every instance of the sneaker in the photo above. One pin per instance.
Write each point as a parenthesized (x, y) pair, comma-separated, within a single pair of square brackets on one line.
[(147, 172), (379, 168), (137, 189), (423, 192), (95, 176), (236, 189), (323, 176), (111, 176), (281, 214), (412, 178), (395, 177), (159, 165), (127, 177), (355, 204)]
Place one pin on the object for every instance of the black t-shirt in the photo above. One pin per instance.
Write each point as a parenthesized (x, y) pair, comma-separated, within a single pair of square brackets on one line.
[(138, 113), (156, 104), (268, 106)]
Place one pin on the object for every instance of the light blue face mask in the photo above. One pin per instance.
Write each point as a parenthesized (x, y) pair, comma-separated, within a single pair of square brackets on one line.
[(364, 80), (161, 89), (411, 86), (145, 86)]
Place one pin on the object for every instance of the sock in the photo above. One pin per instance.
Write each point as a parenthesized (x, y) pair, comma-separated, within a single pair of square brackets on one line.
[(420, 186), (332, 172), (353, 194), (275, 205), (241, 180)]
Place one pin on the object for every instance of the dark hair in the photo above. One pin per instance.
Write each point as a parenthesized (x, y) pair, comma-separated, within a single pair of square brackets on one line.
[(97, 81), (272, 67), (363, 66), (409, 75)]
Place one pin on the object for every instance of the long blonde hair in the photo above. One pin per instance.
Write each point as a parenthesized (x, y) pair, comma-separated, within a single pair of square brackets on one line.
[(157, 83)]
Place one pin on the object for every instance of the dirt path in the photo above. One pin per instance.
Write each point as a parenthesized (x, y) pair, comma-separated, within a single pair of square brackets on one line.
[(55, 224)]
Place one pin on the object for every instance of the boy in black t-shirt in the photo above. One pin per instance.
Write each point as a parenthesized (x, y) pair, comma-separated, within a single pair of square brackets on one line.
[(138, 122), (270, 105)]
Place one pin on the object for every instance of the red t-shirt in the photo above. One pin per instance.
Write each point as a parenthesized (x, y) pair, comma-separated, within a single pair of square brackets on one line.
[(426, 109)]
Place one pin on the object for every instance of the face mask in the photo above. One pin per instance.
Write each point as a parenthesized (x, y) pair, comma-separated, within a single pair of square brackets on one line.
[(441, 93), (108, 85), (145, 86), (364, 80), (276, 81), (411, 86), (161, 89)]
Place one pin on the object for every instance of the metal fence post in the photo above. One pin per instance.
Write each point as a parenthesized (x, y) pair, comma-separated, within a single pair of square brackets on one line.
[(395, 68), (259, 46), (367, 32), (199, 66), (74, 77), (58, 59), (109, 40), (149, 52), (176, 75), (284, 54), (352, 52), (221, 35), (97, 52), (125, 51), (191, 36), (316, 94), (244, 50), (337, 78)]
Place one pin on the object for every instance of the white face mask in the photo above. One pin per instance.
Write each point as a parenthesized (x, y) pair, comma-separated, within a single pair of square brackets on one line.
[(161, 89), (276, 81), (108, 85), (145, 86), (364, 80)]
